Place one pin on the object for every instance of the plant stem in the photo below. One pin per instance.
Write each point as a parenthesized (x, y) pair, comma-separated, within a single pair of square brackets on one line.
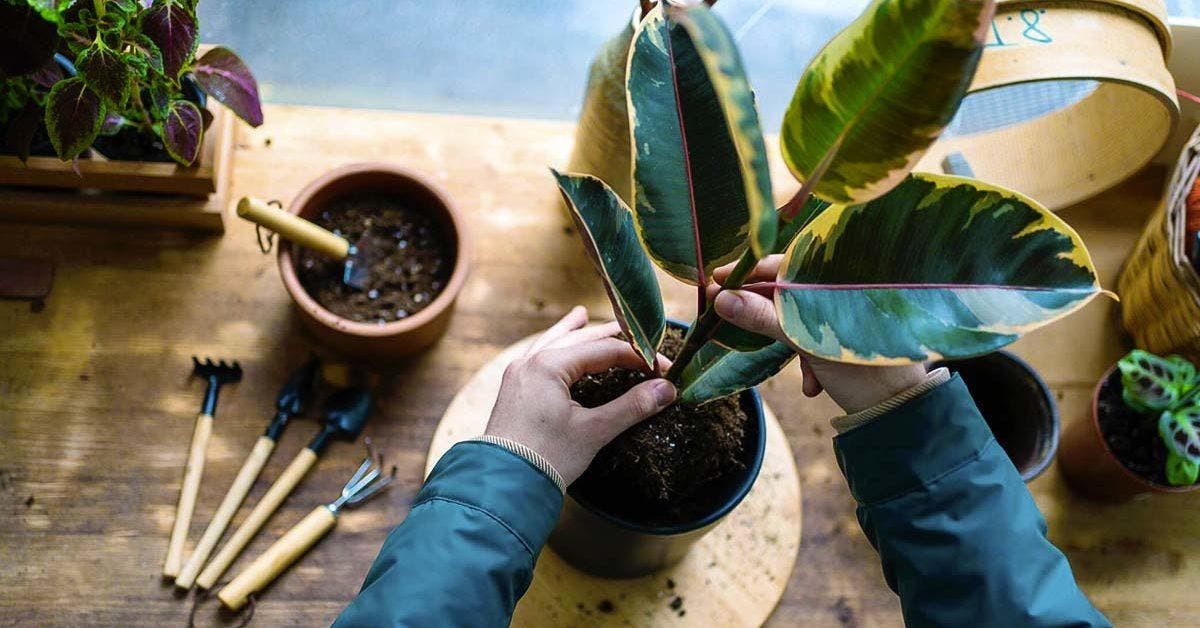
[(706, 324)]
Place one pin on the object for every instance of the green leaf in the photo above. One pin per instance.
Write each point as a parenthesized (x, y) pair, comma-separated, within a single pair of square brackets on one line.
[(171, 25), (698, 199), (610, 238), (183, 131), (879, 93), (149, 50), (73, 116), (105, 72), (1180, 470), (941, 266), (716, 372), (1180, 432), (1150, 383), (788, 229)]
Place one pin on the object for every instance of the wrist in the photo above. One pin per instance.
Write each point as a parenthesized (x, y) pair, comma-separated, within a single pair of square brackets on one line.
[(859, 388)]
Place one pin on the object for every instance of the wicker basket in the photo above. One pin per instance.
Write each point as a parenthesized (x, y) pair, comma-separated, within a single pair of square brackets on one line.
[(1160, 291)]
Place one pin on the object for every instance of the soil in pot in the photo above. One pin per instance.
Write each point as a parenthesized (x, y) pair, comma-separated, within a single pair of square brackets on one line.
[(410, 258), (657, 472), (1132, 436)]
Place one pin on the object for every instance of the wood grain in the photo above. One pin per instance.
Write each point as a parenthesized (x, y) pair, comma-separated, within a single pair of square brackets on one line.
[(96, 405)]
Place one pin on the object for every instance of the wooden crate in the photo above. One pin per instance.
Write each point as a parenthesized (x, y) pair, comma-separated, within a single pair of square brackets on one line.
[(125, 192)]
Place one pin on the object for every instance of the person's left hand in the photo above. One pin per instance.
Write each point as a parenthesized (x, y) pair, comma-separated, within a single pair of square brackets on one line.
[(535, 408)]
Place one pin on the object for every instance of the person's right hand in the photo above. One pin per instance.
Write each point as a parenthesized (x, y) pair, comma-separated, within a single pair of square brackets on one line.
[(854, 387)]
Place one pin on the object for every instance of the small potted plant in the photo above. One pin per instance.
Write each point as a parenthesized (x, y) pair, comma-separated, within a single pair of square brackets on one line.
[(879, 266), (115, 88), (1143, 434)]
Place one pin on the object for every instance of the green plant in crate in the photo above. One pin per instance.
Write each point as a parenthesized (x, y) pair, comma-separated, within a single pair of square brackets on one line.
[(128, 70), (1169, 388), (881, 266)]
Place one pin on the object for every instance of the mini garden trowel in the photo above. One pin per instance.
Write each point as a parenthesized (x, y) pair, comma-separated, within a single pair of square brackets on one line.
[(293, 398), (356, 268), (345, 414)]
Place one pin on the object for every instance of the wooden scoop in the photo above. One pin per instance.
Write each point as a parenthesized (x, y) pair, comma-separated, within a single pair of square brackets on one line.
[(356, 269)]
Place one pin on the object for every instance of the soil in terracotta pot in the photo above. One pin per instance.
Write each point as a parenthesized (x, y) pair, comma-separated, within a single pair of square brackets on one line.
[(409, 254), (1132, 436), (657, 472)]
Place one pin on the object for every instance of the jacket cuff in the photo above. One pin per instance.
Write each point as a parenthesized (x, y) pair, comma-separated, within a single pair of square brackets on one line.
[(492, 479), (531, 456), (847, 422), (913, 445)]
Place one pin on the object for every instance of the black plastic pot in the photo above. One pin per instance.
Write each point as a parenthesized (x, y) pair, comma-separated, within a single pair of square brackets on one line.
[(609, 546), (1017, 405)]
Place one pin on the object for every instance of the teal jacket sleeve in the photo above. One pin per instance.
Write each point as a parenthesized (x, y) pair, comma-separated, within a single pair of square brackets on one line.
[(959, 536), (465, 553)]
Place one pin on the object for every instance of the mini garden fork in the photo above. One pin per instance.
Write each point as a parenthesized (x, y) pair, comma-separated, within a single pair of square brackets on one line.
[(367, 481), (216, 374)]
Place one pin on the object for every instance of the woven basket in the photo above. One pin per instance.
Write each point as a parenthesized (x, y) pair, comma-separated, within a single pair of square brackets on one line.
[(1160, 292)]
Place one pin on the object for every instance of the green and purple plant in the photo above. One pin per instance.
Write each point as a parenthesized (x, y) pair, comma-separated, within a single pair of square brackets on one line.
[(1168, 388), (80, 70)]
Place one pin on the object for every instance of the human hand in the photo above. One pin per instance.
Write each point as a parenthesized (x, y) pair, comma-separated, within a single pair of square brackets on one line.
[(535, 408), (854, 387)]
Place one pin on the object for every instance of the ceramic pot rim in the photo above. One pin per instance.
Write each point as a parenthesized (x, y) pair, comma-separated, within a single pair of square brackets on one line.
[(444, 299)]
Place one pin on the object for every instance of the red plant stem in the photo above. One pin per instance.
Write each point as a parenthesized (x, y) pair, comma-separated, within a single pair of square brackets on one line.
[(1192, 97)]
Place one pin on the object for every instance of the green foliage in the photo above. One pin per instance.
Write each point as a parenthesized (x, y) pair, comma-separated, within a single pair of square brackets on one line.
[(1169, 388), (930, 266), (135, 67)]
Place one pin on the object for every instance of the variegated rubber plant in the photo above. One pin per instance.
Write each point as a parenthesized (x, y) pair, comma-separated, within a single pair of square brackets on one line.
[(881, 266), (1169, 388)]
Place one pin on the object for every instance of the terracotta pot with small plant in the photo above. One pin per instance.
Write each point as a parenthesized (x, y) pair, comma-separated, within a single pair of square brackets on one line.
[(879, 266), (1143, 434), (116, 88)]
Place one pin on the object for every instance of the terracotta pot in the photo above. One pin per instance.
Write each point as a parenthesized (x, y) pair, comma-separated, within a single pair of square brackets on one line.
[(398, 338), (605, 545), (1017, 405), (1092, 469)]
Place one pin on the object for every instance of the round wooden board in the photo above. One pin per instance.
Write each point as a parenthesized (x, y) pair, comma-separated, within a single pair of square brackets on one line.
[(734, 576)]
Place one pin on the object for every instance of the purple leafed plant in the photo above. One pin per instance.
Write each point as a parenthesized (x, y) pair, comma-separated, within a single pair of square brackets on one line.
[(119, 76)]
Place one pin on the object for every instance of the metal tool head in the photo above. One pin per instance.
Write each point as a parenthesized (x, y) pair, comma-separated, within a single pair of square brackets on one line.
[(298, 390), (220, 371), (356, 270), (366, 482), (344, 415)]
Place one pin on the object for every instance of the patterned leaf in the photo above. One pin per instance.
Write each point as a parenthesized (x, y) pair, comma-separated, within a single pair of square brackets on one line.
[(1180, 431), (879, 93), (73, 116), (1150, 383), (695, 200), (716, 372), (171, 25), (105, 72), (183, 131), (610, 238), (941, 266), (223, 76)]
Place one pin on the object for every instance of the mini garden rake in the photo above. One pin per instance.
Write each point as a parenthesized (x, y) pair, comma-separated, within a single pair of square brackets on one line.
[(366, 482), (217, 374)]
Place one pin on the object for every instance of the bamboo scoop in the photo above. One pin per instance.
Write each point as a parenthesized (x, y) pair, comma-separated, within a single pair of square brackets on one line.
[(356, 269), (291, 401), (345, 414), (366, 482), (216, 374)]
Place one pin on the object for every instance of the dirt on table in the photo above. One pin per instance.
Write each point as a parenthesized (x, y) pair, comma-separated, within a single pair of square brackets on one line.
[(661, 471), (409, 254), (1132, 436)]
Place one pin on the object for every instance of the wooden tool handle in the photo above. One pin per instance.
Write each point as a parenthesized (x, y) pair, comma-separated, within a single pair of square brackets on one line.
[(294, 228), (229, 506), (278, 557), (187, 495), (279, 491)]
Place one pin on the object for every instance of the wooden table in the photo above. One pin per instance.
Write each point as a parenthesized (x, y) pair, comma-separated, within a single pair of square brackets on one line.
[(96, 405)]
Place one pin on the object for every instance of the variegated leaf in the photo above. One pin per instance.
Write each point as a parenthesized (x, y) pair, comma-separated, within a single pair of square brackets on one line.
[(700, 179), (716, 372), (878, 94), (1180, 432), (941, 266), (1150, 383), (606, 225)]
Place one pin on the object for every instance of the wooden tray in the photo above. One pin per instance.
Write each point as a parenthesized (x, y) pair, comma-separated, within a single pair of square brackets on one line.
[(734, 576)]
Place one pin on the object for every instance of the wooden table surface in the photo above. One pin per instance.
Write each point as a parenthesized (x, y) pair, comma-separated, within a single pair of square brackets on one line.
[(96, 403)]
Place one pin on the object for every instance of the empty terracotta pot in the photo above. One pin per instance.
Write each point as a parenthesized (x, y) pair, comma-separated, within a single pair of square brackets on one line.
[(395, 339), (1089, 465)]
